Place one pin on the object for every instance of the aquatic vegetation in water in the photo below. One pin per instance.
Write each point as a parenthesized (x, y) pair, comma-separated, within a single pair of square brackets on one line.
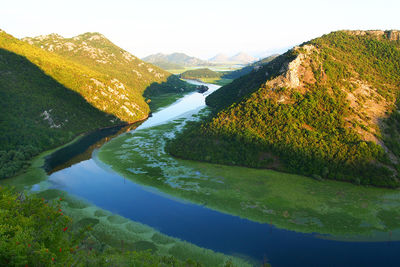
[(341, 210), (116, 232)]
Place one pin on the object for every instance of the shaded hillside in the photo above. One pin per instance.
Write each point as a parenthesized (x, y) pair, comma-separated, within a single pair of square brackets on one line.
[(326, 109), (103, 92), (244, 85), (38, 113), (98, 53), (246, 70), (175, 61)]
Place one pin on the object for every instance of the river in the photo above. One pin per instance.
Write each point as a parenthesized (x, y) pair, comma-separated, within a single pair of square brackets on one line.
[(166, 204)]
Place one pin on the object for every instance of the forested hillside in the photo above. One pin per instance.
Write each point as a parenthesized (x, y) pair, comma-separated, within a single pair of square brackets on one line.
[(201, 73), (53, 89), (98, 53), (326, 109), (246, 70), (38, 113)]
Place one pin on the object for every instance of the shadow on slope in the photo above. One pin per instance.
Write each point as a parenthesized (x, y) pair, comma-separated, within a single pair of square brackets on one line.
[(160, 95), (38, 113)]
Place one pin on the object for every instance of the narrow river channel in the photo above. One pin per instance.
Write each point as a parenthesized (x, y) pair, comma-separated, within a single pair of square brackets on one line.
[(98, 183)]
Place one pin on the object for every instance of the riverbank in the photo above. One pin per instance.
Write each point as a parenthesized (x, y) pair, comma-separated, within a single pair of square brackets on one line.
[(108, 229), (253, 213), (288, 201)]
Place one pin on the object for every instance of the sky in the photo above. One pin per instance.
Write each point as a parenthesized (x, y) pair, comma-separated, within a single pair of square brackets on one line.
[(200, 28)]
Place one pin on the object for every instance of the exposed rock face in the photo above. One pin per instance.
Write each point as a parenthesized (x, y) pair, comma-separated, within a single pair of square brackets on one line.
[(392, 35), (367, 106), (292, 70), (115, 74)]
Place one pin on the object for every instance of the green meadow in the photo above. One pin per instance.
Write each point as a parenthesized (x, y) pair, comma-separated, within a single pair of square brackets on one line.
[(337, 210), (110, 231)]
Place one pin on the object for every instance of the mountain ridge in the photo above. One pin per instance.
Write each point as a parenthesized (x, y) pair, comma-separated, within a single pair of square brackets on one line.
[(177, 60), (67, 89), (97, 52), (239, 58), (325, 109)]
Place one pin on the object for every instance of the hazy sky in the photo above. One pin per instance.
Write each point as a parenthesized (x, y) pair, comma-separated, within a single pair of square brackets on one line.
[(197, 27)]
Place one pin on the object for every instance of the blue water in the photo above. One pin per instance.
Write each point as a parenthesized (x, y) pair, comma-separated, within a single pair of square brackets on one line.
[(217, 231), (208, 228)]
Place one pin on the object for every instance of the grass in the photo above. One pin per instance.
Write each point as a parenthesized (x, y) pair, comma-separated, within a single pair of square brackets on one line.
[(341, 210), (163, 100), (113, 231), (35, 173), (213, 67), (109, 229), (217, 81)]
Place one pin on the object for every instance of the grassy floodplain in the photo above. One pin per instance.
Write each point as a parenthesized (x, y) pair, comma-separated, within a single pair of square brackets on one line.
[(339, 210), (114, 231), (217, 81), (109, 229)]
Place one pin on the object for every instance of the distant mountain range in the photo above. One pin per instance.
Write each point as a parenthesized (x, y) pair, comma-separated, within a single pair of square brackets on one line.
[(181, 60), (249, 68), (328, 109), (174, 60), (239, 58)]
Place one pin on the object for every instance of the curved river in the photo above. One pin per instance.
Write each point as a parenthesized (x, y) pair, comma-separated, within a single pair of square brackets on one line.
[(97, 183)]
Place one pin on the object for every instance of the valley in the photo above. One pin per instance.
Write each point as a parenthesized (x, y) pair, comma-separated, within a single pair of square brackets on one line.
[(107, 159), (263, 206)]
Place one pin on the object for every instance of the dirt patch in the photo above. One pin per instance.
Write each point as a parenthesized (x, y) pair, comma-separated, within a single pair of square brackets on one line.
[(368, 108)]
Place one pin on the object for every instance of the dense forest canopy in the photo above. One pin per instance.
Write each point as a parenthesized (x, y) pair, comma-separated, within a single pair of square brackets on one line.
[(36, 232), (249, 68), (53, 89), (326, 109), (201, 73), (98, 53)]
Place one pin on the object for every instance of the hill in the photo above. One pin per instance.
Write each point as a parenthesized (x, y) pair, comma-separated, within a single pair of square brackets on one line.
[(219, 58), (326, 109), (53, 89), (200, 73), (98, 53), (175, 61), (239, 58), (246, 70), (242, 58), (37, 112)]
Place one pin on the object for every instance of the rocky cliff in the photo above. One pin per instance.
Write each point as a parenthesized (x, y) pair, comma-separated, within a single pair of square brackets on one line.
[(327, 108)]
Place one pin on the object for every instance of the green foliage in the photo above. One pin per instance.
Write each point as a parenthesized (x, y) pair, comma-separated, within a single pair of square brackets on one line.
[(34, 115), (245, 85), (97, 88), (12, 161), (117, 66), (309, 135), (246, 70), (34, 232), (200, 73), (48, 98), (392, 133)]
